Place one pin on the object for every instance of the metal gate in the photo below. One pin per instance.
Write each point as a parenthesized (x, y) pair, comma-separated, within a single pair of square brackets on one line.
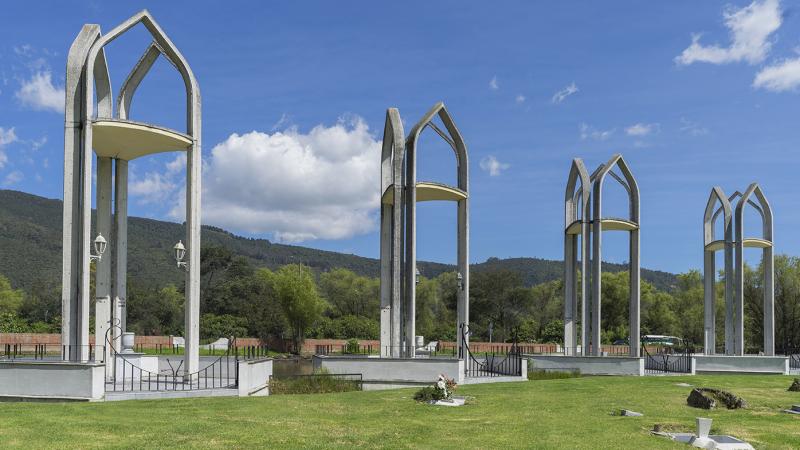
[(490, 364), (668, 359)]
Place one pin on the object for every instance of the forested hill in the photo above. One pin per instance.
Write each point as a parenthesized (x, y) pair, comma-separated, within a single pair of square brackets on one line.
[(30, 250)]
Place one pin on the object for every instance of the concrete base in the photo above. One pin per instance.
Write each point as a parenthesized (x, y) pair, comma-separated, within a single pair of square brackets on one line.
[(159, 395), (32, 380), (254, 377), (131, 365), (393, 373), (710, 364), (588, 365)]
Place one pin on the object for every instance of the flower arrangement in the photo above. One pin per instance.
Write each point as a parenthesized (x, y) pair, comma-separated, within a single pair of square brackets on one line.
[(442, 389)]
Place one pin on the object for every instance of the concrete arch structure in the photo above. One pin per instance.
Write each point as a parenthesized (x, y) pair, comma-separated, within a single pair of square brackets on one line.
[(116, 140), (733, 244), (765, 242), (590, 226), (400, 193), (710, 246), (577, 210)]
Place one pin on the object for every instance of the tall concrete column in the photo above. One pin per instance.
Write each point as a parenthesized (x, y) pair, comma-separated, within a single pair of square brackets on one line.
[(730, 334), (463, 269), (386, 274), (738, 327), (597, 271), (102, 307), (635, 294), (410, 295), (72, 262), (586, 287), (392, 201), (769, 301), (709, 307), (192, 302), (119, 307), (570, 294)]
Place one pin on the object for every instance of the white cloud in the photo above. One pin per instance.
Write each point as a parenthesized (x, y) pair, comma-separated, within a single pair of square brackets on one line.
[(154, 188), (749, 27), (783, 76), (493, 85), (12, 178), (561, 95), (177, 165), (36, 144), (323, 184), (39, 93), (520, 99), (7, 136), (588, 132), (641, 129), (692, 128), (491, 165)]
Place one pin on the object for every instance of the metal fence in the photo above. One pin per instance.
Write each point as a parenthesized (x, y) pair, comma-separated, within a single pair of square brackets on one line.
[(663, 360), (491, 364), (127, 376), (44, 352)]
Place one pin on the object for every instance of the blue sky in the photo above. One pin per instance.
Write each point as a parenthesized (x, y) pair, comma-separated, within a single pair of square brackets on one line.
[(694, 94)]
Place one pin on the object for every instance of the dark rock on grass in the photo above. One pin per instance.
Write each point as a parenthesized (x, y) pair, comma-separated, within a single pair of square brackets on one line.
[(795, 387), (707, 398), (696, 399)]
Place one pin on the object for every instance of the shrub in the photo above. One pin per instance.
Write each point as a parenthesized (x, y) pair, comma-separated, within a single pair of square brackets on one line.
[(428, 394), (318, 383), (352, 346), (539, 374), (441, 390)]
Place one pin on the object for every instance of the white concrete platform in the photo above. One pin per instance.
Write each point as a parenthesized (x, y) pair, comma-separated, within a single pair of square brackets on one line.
[(588, 365), (393, 373), (49, 380), (711, 364), (159, 395)]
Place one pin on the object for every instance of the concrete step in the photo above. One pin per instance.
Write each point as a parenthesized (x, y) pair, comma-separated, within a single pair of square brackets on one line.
[(157, 395)]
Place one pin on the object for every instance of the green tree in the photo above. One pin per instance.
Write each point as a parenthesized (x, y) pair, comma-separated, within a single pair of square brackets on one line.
[(155, 311), (213, 326), (10, 299), (350, 294), (299, 298)]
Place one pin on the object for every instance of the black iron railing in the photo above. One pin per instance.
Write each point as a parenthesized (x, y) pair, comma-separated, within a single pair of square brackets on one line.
[(223, 372), (127, 376), (793, 353), (668, 359), (490, 364), (44, 352)]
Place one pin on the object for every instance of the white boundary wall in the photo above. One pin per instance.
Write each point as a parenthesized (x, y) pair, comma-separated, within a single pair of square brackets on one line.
[(588, 365), (254, 377), (742, 364), (388, 373), (52, 380)]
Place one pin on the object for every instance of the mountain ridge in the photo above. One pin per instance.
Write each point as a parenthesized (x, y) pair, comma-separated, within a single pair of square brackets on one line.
[(30, 226)]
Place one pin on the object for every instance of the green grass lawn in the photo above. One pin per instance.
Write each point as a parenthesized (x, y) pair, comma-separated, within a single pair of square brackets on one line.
[(564, 414)]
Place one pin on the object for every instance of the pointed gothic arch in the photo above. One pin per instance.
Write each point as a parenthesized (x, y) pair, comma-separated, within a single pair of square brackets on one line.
[(577, 213), (400, 193), (710, 246), (116, 140), (631, 225), (765, 242)]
